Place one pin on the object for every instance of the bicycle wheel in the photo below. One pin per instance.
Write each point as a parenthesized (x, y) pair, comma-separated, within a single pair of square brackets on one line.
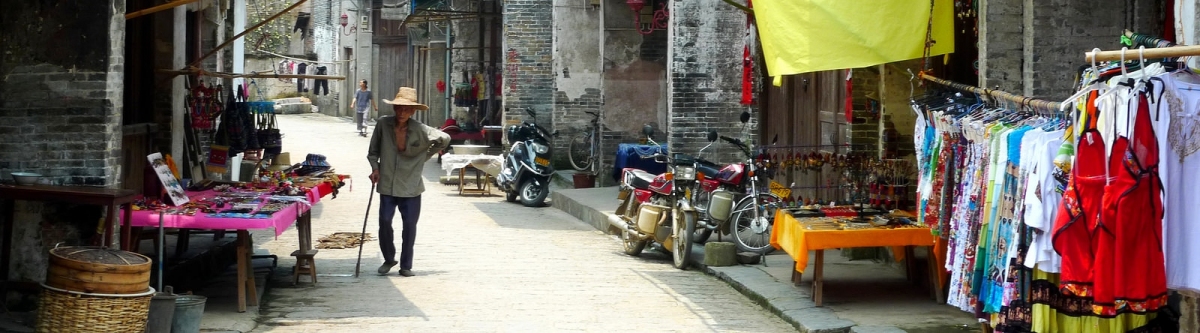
[(580, 152)]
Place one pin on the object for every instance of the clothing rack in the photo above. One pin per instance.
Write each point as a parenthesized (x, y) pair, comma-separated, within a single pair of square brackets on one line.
[(1149, 53), (1023, 101)]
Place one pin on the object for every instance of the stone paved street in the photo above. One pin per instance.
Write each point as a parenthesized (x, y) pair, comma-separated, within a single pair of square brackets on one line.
[(482, 264)]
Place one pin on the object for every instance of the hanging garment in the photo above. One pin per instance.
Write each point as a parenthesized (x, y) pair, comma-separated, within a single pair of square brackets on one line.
[(301, 69), (321, 83), (1041, 195), (1180, 167), (1078, 212), (1131, 273)]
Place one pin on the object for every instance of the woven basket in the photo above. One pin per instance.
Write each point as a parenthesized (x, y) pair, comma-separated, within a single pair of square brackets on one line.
[(67, 311)]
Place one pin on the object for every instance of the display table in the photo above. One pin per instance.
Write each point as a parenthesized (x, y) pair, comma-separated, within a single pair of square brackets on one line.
[(295, 212), (111, 199), (488, 164), (794, 237)]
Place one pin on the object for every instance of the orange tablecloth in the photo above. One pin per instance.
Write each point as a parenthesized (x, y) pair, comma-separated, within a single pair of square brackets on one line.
[(789, 235)]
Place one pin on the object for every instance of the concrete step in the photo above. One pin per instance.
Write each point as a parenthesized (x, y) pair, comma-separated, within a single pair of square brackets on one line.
[(590, 205)]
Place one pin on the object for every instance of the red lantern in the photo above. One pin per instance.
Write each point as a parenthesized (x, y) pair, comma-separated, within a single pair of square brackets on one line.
[(636, 5), (344, 20)]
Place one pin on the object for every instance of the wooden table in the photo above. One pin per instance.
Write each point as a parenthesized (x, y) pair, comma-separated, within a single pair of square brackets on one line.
[(482, 181), (791, 236), (113, 199), (297, 213)]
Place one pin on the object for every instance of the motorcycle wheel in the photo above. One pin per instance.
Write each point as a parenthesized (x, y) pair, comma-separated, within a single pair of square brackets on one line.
[(747, 239), (633, 246), (683, 226), (533, 194)]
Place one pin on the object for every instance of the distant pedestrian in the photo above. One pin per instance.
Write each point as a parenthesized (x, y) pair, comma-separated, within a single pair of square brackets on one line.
[(399, 149), (362, 99)]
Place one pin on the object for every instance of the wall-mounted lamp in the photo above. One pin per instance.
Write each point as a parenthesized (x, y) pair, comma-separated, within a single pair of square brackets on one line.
[(660, 21)]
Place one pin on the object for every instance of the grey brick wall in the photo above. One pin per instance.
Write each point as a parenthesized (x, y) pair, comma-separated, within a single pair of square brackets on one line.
[(1035, 48), (705, 74), (62, 69), (528, 70), (62, 97), (863, 131)]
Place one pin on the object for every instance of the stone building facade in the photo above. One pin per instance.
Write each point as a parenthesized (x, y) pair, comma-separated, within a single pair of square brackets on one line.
[(567, 58)]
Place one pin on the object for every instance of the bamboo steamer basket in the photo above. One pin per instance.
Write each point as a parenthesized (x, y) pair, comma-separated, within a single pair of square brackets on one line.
[(91, 269)]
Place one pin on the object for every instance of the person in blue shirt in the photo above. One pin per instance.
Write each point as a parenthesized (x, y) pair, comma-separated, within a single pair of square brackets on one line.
[(362, 99)]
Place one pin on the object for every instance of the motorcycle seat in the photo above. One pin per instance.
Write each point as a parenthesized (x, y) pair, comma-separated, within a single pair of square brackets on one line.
[(638, 179), (708, 168)]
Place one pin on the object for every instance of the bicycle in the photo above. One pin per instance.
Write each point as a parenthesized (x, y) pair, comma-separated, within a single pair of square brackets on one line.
[(582, 151)]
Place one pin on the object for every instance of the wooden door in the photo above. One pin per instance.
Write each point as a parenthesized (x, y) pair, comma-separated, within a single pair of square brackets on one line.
[(804, 114)]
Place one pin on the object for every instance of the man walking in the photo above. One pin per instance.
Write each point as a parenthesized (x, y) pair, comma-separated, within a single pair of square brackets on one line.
[(398, 152), (362, 99)]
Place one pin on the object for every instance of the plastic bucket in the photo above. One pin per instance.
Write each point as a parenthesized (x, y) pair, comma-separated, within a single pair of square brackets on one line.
[(162, 311), (189, 309), (583, 180)]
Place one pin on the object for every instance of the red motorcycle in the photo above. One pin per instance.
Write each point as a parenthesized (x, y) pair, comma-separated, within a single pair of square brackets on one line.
[(734, 200), (656, 207)]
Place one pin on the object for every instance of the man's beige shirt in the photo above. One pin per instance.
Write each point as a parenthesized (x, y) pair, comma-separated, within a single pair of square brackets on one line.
[(400, 172)]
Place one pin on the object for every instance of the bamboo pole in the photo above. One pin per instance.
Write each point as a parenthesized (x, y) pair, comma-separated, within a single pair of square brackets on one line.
[(1023, 101), (251, 75), (158, 8), (1135, 54), (243, 33)]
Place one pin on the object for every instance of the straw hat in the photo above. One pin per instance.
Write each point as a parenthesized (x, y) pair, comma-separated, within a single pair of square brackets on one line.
[(281, 162), (407, 96)]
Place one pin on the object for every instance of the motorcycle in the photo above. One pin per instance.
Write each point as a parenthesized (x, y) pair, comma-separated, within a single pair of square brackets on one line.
[(656, 207), (733, 202), (526, 171)]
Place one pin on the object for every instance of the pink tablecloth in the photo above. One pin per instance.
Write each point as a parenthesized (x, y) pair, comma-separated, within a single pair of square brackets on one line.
[(280, 221)]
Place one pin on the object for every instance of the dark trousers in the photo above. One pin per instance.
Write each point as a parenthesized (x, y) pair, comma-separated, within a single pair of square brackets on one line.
[(322, 83), (410, 211)]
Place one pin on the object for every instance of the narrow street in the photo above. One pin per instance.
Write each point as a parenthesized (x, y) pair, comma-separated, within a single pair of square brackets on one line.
[(481, 264)]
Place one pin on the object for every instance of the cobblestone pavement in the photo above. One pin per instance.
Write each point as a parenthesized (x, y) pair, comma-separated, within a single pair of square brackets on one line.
[(482, 264)]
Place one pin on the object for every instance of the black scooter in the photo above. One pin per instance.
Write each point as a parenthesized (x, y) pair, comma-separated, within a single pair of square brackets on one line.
[(526, 171)]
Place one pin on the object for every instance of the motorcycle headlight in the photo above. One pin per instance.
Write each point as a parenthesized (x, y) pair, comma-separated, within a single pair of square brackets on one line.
[(685, 173), (540, 148)]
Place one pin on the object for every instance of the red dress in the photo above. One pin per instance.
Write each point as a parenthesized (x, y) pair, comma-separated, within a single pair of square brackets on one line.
[(1079, 211), (1130, 270)]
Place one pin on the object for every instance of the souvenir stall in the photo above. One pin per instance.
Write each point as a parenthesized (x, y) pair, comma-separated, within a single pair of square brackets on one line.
[(856, 209), (1071, 216), (277, 197), (216, 190)]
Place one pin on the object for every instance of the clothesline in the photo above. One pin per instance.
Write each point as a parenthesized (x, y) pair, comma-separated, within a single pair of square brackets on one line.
[(251, 75), (302, 60), (1034, 103)]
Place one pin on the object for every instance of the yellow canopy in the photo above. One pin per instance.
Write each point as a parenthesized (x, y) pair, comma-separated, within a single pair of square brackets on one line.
[(801, 36)]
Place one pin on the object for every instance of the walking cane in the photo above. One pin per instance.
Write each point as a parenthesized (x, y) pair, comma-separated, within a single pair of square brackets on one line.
[(362, 237)]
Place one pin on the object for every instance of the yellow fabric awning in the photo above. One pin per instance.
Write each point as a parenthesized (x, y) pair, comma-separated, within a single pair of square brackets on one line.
[(801, 36)]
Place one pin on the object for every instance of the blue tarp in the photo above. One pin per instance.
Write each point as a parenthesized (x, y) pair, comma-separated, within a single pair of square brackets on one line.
[(630, 155)]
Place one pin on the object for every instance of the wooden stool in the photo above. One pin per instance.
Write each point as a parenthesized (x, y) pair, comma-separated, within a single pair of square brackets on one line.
[(305, 264)]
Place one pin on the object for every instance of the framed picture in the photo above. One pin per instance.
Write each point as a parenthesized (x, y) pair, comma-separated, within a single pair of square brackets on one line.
[(173, 188)]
